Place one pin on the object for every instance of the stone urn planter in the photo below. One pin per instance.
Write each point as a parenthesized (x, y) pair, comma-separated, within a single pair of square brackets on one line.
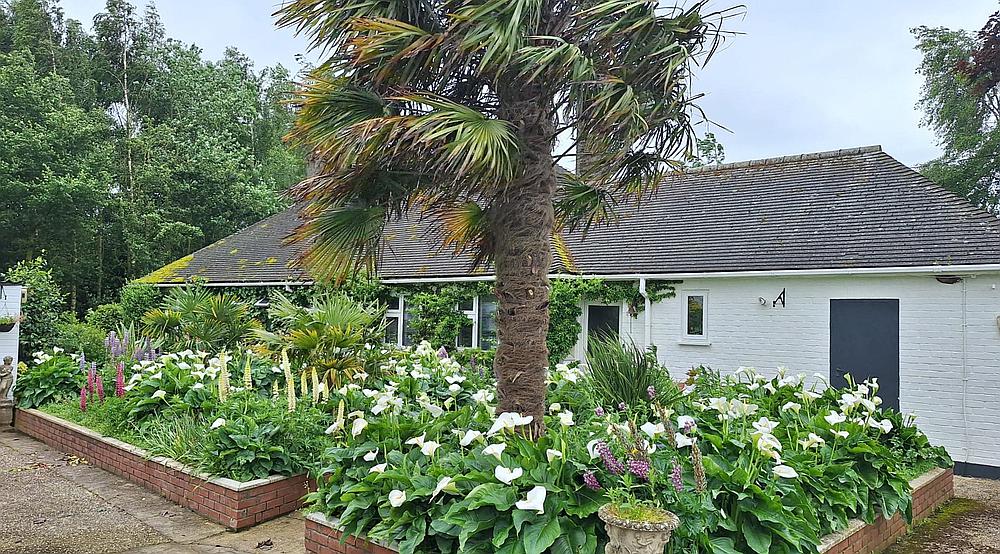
[(636, 537)]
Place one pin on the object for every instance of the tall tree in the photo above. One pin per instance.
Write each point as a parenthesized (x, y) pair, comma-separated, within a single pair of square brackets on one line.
[(456, 106), (961, 103)]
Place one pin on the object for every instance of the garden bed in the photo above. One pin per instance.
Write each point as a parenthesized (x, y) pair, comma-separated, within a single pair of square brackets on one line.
[(237, 505), (930, 491)]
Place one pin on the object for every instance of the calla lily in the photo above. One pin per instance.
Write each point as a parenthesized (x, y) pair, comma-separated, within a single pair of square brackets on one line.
[(842, 434), (396, 498), (834, 418), (419, 441), (652, 429), (814, 441), (358, 426), (683, 440), (791, 407), (483, 396), (551, 454), (785, 472), (429, 447), (370, 457), (337, 426), (555, 407), (197, 386), (495, 450), (765, 426), (683, 422), (508, 420), (469, 436), (218, 423), (507, 475), (534, 502), (444, 485), (455, 389), (380, 468), (566, 418), (159, 394), (592, 448)]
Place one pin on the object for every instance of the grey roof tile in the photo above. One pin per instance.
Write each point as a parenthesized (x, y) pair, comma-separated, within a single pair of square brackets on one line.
[(856, 208)]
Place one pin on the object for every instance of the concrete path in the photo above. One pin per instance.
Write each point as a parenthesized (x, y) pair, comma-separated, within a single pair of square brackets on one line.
[(53, 503)]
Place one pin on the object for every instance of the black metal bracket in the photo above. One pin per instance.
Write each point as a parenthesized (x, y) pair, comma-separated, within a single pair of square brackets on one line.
[(780, 298)]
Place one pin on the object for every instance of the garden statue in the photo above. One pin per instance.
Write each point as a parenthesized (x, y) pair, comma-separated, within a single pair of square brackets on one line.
[(6, 380)]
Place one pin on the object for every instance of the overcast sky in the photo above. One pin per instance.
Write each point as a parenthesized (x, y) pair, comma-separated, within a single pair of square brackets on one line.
[(803, 76)]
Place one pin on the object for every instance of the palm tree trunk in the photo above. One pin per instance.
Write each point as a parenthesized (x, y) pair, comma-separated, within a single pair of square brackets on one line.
[(522, 224)]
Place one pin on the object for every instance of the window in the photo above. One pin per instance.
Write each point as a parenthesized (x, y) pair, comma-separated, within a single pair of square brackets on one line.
[(487, 322), (695, 304), (393, 320), (467, 335), (603, 320)]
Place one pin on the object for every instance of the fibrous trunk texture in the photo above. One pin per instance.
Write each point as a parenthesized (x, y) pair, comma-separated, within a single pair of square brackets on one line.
[(522, 223)]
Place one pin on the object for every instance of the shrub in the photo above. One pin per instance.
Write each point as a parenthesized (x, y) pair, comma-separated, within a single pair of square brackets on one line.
[(106, 317), (53, 377), (193, 317), (82, 338), (246, 450), (174, 383), (42, 305), (624, 374), (136, 299)]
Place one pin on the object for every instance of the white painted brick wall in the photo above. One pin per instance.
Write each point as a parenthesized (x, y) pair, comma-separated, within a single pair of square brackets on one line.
[(742, 332), (10, 303)]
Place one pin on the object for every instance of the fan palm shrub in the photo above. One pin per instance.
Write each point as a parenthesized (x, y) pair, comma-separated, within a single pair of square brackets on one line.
[(193, 317), (452, 109)]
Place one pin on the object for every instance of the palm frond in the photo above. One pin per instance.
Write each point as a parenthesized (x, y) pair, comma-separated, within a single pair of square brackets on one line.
[(582, 204), (342, 238), (496, 29), (465, 227)]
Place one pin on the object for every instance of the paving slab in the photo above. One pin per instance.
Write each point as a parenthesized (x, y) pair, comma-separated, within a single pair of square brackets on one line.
[(57, 503), (969, 524)]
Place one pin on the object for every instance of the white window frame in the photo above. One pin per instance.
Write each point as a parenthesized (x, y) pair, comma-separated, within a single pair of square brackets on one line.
[(698, 340), (398, 314), (586, 322), (473, 315)]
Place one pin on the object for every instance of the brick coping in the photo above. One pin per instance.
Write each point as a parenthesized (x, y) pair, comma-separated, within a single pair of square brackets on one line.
[(930, 489), (237, 505)]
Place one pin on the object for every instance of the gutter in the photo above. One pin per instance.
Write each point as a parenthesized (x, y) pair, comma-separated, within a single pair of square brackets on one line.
[(968, 269)]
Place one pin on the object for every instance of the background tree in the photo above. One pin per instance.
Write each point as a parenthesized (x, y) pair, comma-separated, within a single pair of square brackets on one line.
[(455, 106), (961, 103)]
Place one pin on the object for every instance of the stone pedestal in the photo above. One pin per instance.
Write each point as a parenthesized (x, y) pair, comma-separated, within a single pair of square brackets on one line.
[(6, 415)]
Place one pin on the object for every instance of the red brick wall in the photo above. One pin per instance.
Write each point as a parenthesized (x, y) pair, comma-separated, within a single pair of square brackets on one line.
[(321, 538), (236, 509), (882, 533)]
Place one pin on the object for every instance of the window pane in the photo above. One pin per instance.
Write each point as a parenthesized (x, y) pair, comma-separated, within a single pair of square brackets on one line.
[(466, 305), (407, 328), (696, 315), (603, 320), (392, 330), (465, 335), (487, 322), (393, 303)]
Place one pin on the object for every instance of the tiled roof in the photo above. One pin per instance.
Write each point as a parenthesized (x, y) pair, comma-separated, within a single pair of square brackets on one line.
[(856, 208)]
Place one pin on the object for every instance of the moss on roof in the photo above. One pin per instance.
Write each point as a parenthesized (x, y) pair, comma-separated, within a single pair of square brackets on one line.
[(170, 273)]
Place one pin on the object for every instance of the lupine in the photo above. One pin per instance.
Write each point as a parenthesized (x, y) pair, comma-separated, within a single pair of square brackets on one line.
[(590, 480), (699, 468), (675, 476), (611, 463), (120, 380), (83, 399), (91, 377), (622, 406), (247, 375), (651, 392), (315, 385), (639, 468), (599, 411), (100, 388)]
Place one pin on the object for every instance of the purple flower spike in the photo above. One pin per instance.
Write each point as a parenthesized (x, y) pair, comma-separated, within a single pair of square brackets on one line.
[(442, 353), (83, 399), (599, 411), (591, 481), (639, 468), (622, 406), (100, 389), (611, 463), (675, 477), (651, 392)]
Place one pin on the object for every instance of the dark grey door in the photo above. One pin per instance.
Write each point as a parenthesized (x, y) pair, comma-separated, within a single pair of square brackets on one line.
[(864, 341)]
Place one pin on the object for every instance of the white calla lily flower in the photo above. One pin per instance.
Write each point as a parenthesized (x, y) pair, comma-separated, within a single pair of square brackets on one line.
[(469, 436), (551, 454), (507, 475), (396, 498), (535, 500), (429, 447), (785, 472), (370, 456), (218, 423), (358, 426), (380, 468), (495, 450)]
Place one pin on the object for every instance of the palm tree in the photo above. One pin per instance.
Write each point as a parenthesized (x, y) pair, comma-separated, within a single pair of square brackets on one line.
[(452, 108)]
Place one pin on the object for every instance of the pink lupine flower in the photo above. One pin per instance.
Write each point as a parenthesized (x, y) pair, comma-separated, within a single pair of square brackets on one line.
[(83, 399), (120, 380), (100, 389)]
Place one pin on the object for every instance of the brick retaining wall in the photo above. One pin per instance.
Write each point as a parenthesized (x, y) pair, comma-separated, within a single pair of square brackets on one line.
[(232, 503), (930, 490)]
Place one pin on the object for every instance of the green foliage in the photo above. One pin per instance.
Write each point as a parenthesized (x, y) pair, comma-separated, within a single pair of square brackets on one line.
[(43, 304), (81, 338), (193, 317), (246, 450), (181, 437), (176, 384), (136, 299), (960, 103), (624, 374), (51, 378), (189, 152), (106, 317)]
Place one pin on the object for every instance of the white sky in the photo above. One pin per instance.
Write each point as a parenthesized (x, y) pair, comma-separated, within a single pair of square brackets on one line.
[(804, 76)]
